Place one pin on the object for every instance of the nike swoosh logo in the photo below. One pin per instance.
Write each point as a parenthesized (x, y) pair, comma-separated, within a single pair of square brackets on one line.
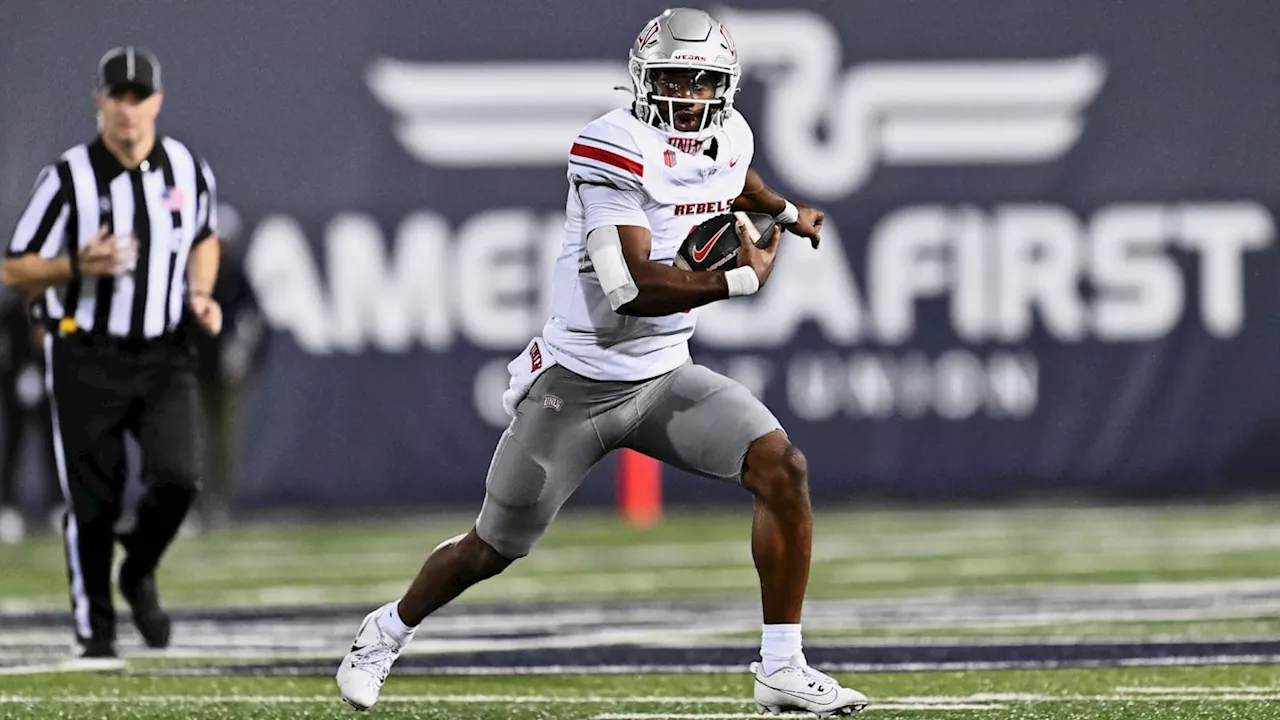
[(358, 648), (733, 162), (700, 254), (826, 697)]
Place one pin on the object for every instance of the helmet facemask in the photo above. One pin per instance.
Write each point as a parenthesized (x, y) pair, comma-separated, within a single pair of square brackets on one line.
[(684, 101)]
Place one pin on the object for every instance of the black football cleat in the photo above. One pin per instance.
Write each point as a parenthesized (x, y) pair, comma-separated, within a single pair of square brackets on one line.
[(151, 620), (97, 649)]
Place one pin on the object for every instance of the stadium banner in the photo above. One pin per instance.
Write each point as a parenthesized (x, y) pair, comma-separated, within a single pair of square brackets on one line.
[(1049, 264)]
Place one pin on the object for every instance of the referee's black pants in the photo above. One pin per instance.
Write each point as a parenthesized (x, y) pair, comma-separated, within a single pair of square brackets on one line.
[(102, 388)]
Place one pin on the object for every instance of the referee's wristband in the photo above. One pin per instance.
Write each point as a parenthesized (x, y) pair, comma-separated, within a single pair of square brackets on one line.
[(789, 215), (742, 281)]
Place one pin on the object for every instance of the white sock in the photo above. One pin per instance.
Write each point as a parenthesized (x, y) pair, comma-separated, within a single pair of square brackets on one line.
[(391, 624), (779, 646)]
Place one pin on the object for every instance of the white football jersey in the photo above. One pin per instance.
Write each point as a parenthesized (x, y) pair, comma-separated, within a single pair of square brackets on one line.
[(624, 172)]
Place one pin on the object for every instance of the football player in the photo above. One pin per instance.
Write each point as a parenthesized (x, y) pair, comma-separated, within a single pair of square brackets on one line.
[(612, 367)]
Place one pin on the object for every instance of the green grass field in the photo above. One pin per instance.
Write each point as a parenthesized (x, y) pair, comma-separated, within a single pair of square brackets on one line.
[(1114, 694), (1010, 575), (702, 555)]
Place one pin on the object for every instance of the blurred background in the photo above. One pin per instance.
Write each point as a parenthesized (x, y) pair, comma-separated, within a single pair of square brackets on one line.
[(1049, 275)]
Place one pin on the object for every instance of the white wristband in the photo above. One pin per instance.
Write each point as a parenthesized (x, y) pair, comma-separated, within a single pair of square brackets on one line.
[(742, 281), (789, 215)]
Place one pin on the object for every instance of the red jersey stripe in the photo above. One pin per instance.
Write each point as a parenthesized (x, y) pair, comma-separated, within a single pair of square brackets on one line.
[(604, 156)]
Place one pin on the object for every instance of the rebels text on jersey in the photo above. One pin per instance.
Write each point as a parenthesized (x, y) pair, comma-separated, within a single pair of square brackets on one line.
[(624, 172)]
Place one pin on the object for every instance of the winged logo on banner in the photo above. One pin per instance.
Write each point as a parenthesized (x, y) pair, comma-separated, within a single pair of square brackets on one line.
[(495, 114), (991, 112)]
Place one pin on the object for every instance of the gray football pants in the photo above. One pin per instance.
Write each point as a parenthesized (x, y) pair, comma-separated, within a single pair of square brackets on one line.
[(691, 418)]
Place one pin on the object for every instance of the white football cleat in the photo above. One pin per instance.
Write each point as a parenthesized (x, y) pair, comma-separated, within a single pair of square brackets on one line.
[(799, 688), (12, 527), (365, 668)]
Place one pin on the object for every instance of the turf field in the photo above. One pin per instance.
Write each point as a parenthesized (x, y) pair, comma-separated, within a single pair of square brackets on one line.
[(1154, 694), (1009, 613)]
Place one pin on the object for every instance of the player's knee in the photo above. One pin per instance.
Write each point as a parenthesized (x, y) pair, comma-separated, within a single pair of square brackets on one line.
[(776, 470), (483, 560), (95, 518), (175, 478)]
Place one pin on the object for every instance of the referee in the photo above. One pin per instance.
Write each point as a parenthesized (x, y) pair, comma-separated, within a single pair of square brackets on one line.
[(119, 236)]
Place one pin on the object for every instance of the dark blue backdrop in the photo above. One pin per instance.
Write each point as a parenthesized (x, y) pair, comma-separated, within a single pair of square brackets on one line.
[(1050, 263)]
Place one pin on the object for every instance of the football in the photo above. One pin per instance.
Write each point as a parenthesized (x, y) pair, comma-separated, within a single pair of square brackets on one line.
[(714, 245)]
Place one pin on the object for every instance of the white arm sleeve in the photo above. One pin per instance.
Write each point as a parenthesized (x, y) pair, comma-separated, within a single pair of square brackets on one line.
[(606, 208), (604, 246)]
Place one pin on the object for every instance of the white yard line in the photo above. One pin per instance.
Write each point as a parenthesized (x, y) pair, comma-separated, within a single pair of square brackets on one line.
[(986, 549), (603, 586), (941, 702), (1226, 697), (74, 665), (425, 699), (734, 716), (1225, 689)]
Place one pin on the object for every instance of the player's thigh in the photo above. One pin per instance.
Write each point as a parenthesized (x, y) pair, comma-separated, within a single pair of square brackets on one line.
[(701, 421), (540, 460)]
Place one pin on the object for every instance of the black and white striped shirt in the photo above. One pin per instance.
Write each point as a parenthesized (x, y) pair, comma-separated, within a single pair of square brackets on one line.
[(168, 204)]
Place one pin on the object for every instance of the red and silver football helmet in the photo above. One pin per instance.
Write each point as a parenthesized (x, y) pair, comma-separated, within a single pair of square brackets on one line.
[(684, 39)]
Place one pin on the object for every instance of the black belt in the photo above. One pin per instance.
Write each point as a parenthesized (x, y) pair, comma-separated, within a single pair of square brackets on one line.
[(68, 331)]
